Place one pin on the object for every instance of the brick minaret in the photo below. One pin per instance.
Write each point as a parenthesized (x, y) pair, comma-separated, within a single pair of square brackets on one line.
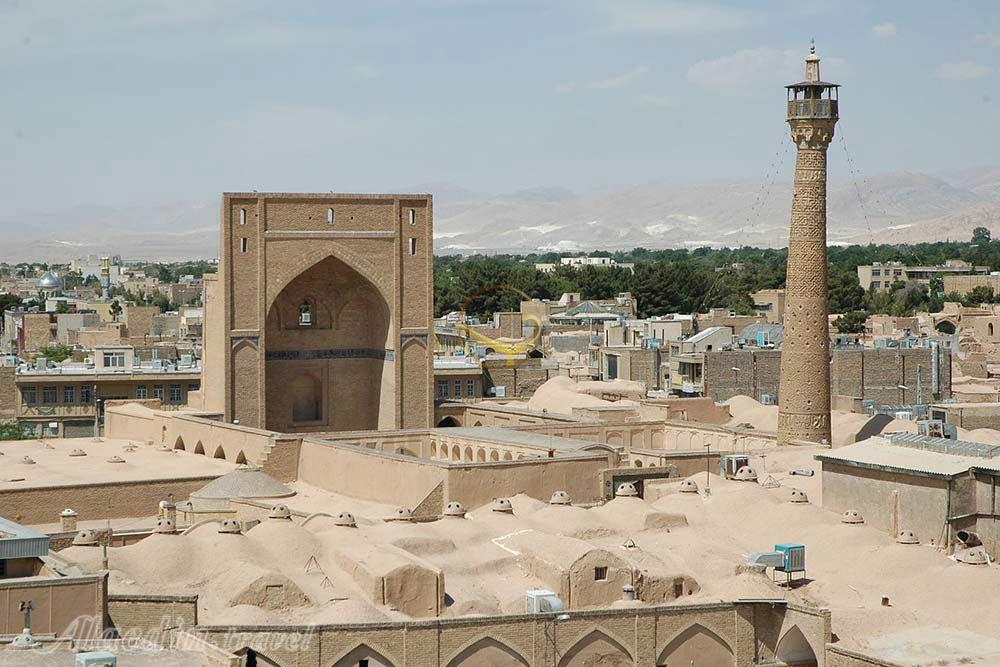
[(804, 395)]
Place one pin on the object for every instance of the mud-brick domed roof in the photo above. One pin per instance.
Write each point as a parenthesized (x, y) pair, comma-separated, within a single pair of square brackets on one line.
[(244, 482)]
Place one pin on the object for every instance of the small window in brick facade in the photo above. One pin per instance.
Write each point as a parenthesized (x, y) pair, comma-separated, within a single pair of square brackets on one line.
[(458, 388), (29, 395), (442, 388), (141, 392), (330, 216), (243, 244), (243, 216), (158, 391), (470, 388), (413, 246), (49, 395), (85, 394), (305, 314), (174, 395), (600, 573), (69, 394), (411, 217)]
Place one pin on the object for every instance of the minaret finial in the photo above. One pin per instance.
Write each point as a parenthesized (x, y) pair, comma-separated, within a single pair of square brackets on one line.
[(812, 45)]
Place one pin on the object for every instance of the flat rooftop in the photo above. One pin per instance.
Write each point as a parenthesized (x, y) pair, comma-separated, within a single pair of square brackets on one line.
[(53, 465)]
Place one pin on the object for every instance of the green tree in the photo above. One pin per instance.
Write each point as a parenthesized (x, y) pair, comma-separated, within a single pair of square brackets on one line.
[(9, 302), (852, 322), (55, 353), (846, 294), (11, 430), (116, 310), (978, 295), (981, 236)]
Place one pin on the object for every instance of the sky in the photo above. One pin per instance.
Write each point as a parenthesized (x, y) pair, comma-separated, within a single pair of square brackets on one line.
[(113, 102)]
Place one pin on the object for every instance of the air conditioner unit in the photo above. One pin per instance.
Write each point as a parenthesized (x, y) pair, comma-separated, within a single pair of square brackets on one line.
[(766, 399), (500, 392), (540, 601)]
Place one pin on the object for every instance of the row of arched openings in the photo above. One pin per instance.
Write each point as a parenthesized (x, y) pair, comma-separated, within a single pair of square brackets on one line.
[(470, 454), (219, 452), (695, 645)]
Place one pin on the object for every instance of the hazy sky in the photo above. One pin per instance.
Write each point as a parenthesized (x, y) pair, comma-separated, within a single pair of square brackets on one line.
[(113, 102)]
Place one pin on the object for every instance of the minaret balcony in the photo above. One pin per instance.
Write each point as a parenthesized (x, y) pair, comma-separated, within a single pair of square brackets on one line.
[(805, 109)]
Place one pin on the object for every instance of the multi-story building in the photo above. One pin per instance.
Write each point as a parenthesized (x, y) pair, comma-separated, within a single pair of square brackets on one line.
[(882, 275), (687, 359), (770, 304), (62, 400)]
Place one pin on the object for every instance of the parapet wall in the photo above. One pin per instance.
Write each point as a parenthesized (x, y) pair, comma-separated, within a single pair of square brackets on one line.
[(740, 633), (104, 500), (57, 604), (350, 470), (274, 453)]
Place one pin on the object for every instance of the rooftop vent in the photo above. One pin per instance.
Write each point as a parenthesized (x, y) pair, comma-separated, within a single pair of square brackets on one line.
[(165, 526), (907, 537), (968, 538), (560, 498), (798, 496), (626, 489), (746, 474), (28, 460), (502, 505), (689, 486), (230, 527), (973, 556), (401, 514), (85, 538), (345, 519), (78, 452), (280, 512), (116, 459), (454, 509), (852, 516)]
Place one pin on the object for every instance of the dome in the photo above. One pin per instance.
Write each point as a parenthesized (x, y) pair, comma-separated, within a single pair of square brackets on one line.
[(49, 280), (852, 516), (240, 483)]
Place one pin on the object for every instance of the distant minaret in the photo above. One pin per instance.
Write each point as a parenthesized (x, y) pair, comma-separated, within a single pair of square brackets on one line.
[(105, 277), (804, 394)]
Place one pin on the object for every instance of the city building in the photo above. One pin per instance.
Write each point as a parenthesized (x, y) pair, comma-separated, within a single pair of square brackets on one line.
[(63, 400), (687, 359), (770, 303), (881, 276)]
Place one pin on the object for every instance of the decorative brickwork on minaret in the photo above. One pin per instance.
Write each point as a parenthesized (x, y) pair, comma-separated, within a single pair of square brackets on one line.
[(804, 396)]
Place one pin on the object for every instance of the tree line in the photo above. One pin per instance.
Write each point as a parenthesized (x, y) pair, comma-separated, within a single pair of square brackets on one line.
[(689, 281)]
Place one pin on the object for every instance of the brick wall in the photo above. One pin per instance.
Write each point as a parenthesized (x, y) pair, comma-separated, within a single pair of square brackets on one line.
[(867, 373), (142, 613), (520, 379), (37, 331), (8, 392), (750, 633), (114, 500)]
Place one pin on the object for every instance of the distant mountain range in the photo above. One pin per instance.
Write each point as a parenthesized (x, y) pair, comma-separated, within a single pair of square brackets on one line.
[(890, 208)]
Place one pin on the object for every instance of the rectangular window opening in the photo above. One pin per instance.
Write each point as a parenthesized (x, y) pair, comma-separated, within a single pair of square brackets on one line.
[(413, 246), (243, 216), (411, 217), (330, 216), (243, 244), (600, 574)]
